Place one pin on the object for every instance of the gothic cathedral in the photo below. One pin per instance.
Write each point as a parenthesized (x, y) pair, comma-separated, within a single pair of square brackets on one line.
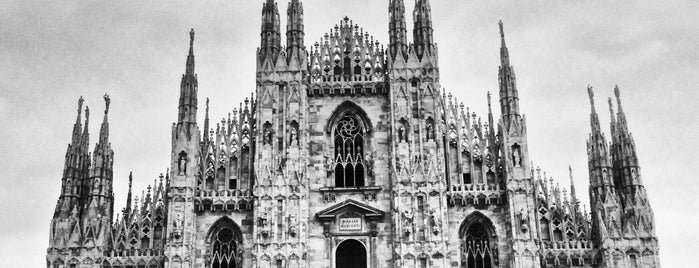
[(350, 154)]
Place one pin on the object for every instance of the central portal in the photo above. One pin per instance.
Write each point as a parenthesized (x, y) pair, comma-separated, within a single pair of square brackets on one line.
[(350, 254)]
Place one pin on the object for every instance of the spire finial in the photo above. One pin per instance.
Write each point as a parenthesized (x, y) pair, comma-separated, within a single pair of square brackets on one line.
[(107, 101), (80, 104), (591, 94), (502, 31), (87, 118), (617, 93), (191, 36)]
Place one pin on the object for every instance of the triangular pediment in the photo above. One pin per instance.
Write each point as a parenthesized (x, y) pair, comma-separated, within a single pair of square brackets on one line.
[(365, 210)]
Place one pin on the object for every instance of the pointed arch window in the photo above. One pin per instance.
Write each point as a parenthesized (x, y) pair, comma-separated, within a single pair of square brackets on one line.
[(477, 247), (224, 249), (349, 141)]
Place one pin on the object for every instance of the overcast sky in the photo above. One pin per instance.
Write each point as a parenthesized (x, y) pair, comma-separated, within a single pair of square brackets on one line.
[(55, 51)]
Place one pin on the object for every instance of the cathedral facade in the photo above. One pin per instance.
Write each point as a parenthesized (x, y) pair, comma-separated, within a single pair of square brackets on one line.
[(350, 154)]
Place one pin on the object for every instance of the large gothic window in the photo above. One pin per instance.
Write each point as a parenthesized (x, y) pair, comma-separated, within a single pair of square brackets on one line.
[(478, 243), (224, 248), (225, 244), (349, 144), (477, 247)]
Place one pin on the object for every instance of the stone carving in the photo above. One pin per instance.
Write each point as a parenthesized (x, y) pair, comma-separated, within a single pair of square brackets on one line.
[(523, 217), (182, 164)]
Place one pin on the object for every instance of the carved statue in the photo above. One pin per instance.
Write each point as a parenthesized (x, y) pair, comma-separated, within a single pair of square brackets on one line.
[(293, 226), (368, 160), (430, 132), (523, 220), (407, 216), (267, 136), (401, 133), (293, 137), (177, 225), (182, 164), (435, 222), (516, 157)]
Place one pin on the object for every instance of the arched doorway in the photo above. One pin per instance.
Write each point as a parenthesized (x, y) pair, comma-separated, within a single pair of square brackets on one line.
[(225, 244), (478, 242), (350, 254)]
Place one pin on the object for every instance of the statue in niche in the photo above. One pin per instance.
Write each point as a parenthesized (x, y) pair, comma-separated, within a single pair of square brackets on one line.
[(516, 156), (293, 136), (182, 164), (523, 217), (407, 222), (293, 226), (430, 129), (267, 136), (263, 224), (368, 161), (435, 221), (401, 133), (177, 226)]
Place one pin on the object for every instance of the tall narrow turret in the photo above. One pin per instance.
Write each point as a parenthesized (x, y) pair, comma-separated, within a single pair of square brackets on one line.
[(638, 220), (509, 97), (187, 110), (100, 196), (397, 29), (295, 47), (422, 28), (270, 36)]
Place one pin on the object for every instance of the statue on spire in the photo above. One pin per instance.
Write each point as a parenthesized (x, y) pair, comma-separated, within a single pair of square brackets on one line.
[(107, 101)]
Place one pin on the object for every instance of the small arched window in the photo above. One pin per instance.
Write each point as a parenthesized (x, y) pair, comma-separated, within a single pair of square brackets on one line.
[(348, 136)]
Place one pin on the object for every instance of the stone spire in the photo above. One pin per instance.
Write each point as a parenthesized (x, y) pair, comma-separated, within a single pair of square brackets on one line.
[(206, 123), (509, 96), (598, 154), (77, 161), (295, 31), (101, 171), (270, 35), (573, 195), (187, 110), (422, 29), (104, 128), (397, 29), (127, 209)]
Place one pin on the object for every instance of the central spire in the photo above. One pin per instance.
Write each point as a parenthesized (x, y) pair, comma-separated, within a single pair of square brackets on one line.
[(187, 109), (509, 96)]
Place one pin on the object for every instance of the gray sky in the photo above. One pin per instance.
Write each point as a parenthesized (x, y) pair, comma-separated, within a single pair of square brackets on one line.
[(55, 51)]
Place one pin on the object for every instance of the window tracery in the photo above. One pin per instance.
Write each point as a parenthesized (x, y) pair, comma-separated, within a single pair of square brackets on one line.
[(224, 249), (477, 247), (349, 151)]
